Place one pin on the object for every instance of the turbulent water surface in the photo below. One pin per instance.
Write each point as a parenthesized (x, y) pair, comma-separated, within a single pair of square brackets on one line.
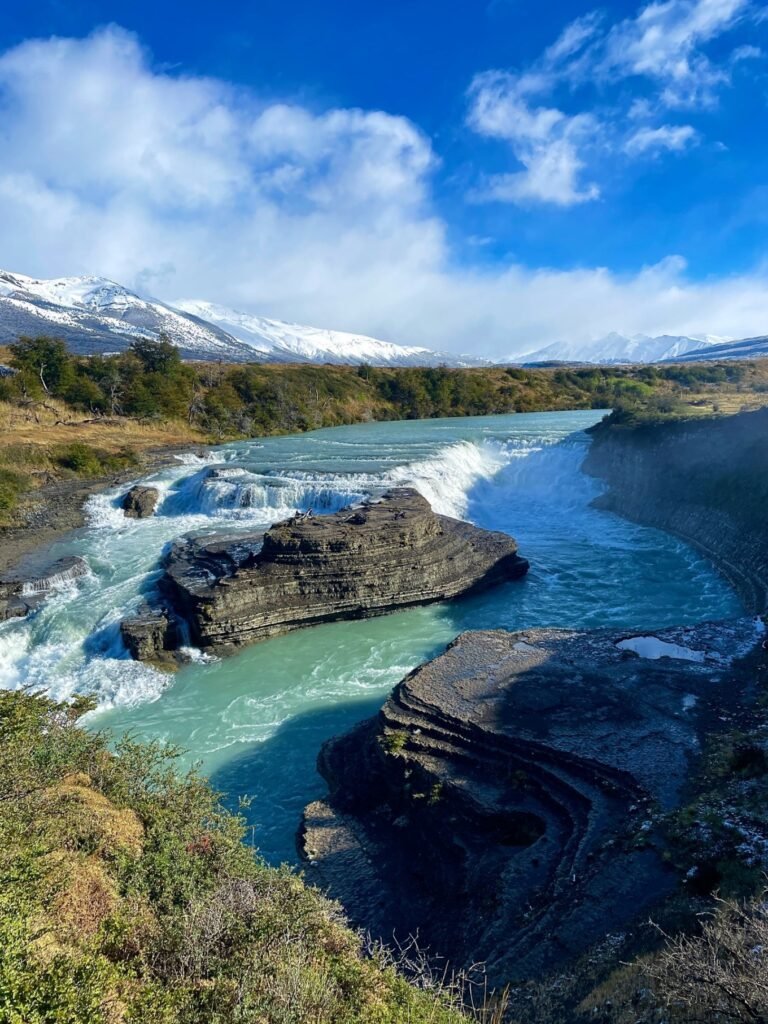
[(255, 721)]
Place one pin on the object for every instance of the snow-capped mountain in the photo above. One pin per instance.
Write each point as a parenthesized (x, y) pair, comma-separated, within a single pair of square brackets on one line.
[(618, 348), (294, 342), (748, 348), (93, 314)]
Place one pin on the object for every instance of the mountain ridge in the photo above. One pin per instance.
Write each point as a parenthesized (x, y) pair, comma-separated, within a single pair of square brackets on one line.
[(746, 348), (315, 344), (95, 315), (620, 348)]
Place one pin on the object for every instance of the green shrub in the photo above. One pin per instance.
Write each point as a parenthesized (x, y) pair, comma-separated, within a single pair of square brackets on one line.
[(11, 486), (128, 894), (79, 457), (85, 460)]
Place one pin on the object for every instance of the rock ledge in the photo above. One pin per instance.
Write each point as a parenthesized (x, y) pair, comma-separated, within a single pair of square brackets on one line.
[(502, 803)]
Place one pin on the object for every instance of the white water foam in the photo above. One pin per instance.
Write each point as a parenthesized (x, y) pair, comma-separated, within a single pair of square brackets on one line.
[(233, 492), (240, 494), (446, 480)]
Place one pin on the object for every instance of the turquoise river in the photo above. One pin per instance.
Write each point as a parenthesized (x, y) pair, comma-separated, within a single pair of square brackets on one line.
[(255, 721)]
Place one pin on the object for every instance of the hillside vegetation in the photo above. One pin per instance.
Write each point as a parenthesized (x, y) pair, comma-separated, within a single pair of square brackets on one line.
[(127, 893)]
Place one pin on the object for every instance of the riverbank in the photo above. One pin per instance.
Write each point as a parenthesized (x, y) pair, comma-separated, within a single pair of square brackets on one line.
[(54, 509)]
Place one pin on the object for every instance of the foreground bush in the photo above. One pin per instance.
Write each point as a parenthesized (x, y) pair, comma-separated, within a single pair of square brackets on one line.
[(128, 894)]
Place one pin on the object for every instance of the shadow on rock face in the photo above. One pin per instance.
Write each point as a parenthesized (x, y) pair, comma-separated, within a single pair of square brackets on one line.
[(503, 802)]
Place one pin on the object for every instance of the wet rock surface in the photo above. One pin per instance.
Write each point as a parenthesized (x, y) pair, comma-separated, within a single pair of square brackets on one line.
[(21, 595), (361, 561), (150, 635), (502, 804), (140, 502)]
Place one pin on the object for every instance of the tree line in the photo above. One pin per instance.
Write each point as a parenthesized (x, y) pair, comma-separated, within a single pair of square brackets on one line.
[(150, 381)]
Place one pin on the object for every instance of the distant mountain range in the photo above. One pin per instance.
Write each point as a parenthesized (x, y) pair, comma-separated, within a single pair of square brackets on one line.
[(293, 342), (749, 348), (618, 348), (93, 314)]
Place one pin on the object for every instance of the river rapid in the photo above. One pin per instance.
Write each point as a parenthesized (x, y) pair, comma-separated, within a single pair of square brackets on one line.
[(254, 722)]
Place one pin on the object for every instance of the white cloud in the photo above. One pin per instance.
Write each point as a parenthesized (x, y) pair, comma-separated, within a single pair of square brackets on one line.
[(663, 44), (188, 186), (746, 52), (654, 140), (543, 139)]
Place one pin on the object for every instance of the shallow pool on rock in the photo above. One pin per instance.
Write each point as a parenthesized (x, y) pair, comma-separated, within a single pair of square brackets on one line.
[(255, 721)]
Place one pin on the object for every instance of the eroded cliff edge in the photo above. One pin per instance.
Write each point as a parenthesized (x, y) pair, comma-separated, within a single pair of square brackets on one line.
[(704, 480), (503, 804)]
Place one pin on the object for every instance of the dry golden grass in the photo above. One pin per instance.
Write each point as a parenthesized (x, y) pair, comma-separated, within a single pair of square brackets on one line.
[(53, 423), (91, 816), (87, 899)]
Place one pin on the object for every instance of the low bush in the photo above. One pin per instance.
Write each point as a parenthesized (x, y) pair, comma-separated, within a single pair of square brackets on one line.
[(127, 894)]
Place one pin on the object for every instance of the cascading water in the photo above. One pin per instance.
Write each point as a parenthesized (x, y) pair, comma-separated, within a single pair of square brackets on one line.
[(256, 720)]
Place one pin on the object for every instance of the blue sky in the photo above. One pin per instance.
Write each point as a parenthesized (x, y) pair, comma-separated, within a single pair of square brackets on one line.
[(466, 175)]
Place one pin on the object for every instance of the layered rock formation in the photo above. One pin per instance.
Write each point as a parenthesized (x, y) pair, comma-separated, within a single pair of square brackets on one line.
[(151, 635), (140, 502), (703, 480), (359, 562), (22, 595), (502, 804)]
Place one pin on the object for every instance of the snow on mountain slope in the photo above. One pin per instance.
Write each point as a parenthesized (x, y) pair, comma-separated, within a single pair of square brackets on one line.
[(285, 341), (748, 348), (93, 314), (618, 348)]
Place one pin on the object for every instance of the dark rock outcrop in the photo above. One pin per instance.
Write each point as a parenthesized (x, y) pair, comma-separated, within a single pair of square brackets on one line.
[(502, 804), (150, 635), (20, 596), (704, 480), (140, 502), (359, 562)]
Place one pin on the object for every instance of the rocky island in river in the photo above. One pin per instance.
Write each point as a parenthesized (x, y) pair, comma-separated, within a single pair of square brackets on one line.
[(362, 561)]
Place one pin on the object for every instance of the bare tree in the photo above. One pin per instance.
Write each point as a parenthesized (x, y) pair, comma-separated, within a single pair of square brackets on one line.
[(720, 975)]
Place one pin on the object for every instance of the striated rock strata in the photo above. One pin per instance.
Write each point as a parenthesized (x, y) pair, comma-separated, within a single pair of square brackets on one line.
[(151, 635), (703, 480), (359, 562), (502, 803)]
